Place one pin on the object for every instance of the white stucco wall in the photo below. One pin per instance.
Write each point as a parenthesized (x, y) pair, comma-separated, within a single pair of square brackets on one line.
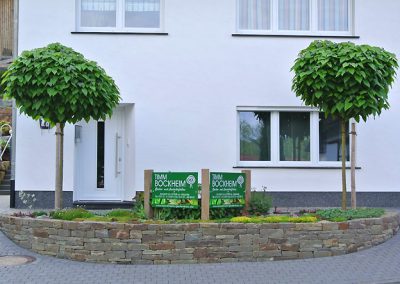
[(186, 87)]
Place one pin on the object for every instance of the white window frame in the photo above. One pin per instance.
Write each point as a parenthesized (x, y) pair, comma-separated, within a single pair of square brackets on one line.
[(313, 22), (275, 150), (120, 21)]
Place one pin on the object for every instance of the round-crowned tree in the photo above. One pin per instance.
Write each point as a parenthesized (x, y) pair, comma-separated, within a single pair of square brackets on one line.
[(345, 81), (57, 84)]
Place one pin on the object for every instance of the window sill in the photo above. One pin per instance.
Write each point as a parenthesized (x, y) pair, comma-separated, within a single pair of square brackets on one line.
[(294, 35), (295, 167), (121, 33)]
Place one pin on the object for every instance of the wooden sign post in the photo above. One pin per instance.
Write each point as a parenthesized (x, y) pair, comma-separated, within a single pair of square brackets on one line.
[(205, 194), (148, 210), (248, 190)]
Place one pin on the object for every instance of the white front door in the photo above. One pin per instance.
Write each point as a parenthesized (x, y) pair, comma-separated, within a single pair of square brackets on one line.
[(99, 159)]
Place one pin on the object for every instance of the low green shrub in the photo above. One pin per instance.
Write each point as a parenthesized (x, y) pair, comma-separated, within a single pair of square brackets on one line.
[(71, 214), (338, 215), (260, 203)]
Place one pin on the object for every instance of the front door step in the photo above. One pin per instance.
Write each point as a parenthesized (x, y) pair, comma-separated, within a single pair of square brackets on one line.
[(104, 205)]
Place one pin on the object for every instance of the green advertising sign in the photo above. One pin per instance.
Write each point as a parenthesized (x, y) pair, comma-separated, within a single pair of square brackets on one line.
[(227, 190), (175, 190)]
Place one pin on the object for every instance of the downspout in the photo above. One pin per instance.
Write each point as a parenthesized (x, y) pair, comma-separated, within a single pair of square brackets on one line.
[(14, 110)]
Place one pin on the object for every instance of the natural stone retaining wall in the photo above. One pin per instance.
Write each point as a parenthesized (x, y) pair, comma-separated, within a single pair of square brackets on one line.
[(196, 243)]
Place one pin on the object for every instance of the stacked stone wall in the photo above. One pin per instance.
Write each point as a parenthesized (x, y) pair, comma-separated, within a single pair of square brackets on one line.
[(196, 243)]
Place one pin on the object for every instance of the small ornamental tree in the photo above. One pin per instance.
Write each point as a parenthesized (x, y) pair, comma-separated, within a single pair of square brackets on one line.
[(345, 81), (60, 86)]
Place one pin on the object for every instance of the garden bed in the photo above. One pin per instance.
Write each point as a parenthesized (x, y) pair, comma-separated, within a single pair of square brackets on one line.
[(155, 243)]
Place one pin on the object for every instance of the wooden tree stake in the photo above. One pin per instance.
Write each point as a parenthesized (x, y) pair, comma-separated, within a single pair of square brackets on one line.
[(205, 194), (148, 210), (248, 190), (353, 166)]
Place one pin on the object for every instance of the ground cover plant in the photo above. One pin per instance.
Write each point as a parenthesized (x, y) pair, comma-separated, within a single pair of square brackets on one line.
[(338, 215)]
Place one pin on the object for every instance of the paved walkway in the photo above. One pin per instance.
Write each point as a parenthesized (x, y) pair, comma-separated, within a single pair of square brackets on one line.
[(380, 264)]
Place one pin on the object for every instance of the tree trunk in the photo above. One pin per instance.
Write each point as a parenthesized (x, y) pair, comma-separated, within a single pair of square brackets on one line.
[(353, 166), (59, 165), (344, 191)]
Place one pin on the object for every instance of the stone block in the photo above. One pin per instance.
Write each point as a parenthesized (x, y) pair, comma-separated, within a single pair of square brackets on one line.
[(64, 233), (269, 246), (330, 226), (322, 253), (271, 233), (330, 243), (344, 226), (115, 254), (173, 237), (77, 233), (267, 254), (135, 254), (162, 246), (98, 246), (101, 233), (118, 234), (119, 246), (135, 234), (290, 247), (138, 246), (194, 244)]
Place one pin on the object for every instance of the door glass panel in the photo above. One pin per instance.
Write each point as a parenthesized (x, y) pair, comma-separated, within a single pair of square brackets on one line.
[(100, 154), (294, 136), (255, 136)]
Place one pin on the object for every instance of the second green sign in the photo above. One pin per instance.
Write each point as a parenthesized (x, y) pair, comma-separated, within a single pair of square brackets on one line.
[(227, 190)]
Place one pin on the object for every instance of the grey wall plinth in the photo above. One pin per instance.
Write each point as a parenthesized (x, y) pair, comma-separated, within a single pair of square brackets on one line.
[(44, 200)]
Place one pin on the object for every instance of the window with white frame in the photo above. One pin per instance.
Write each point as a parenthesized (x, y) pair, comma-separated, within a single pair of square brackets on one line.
[(319, 17), (288, 137), (119, 15)]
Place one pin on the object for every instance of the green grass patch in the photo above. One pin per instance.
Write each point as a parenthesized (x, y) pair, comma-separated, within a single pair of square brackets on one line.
[(71, 214), (338, 215)]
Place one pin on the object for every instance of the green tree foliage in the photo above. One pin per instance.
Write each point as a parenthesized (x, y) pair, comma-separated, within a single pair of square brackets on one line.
[(1, 87), (346, 81), (59, 85)]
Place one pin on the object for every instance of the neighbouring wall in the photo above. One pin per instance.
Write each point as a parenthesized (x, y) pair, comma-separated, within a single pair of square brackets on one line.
[(196, 243)]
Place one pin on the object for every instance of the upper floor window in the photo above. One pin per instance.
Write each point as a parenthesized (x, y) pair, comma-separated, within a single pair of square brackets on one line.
[(308, 17), (120, 15)]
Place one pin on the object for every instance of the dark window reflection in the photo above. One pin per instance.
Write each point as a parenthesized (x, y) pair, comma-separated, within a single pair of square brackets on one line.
[(330, 148), (255, 136), (294, 136)]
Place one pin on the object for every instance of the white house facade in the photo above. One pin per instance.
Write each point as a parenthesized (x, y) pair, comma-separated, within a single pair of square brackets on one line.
[(207, 84)]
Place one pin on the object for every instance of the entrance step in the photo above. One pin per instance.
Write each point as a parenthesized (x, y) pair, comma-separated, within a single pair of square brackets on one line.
[(104, 205), (6, 184)]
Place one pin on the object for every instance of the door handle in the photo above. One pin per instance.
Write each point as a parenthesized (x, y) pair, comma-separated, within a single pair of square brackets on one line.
[(117, 157)]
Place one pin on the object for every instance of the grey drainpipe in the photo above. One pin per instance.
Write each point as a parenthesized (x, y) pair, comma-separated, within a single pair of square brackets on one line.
[(14, 110)]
